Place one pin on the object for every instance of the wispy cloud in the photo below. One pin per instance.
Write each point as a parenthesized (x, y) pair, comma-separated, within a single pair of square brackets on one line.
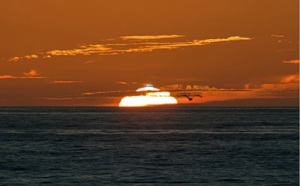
[(288, 82), (82, 50), (130, 44), (6, 76), (290, 79), (277, 35), (106, 92), (151, 37), (287, 87), (65, 82), (294, 61), (61, 98), (15, 59), (284, 87), (89, 62), (283, 39), (126, 83), (32, 74)]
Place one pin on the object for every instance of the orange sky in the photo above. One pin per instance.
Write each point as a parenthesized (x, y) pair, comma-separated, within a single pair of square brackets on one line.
[(53, 51)]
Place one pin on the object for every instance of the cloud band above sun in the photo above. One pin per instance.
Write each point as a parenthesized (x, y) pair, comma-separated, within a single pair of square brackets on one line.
[(129, 44)]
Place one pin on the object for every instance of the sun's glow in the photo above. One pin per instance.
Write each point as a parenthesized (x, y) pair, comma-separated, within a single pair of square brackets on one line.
[(142, 101), (152, 97)]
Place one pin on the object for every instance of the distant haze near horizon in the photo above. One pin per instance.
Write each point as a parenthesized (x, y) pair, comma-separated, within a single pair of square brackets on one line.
[(64, 53)]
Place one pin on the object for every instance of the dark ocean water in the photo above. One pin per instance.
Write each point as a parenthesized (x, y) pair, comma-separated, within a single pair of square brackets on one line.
[(149, 146)]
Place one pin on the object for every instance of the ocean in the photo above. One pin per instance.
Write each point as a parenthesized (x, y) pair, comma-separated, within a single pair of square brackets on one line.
[(178, 145)]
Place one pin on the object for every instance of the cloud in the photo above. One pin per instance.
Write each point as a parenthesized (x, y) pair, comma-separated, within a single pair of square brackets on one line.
[(294, 61), (290, 79), (122, 83), (106, 92), (82, 50), (61, 98), (89, 62), (130, 44), (32, 74), (278, 36), (126, 83), (32, 56), (277, 88), (232, 38), (288, 87), (151, 37), (65, 82), (15, 59), (283, 39), (285, 87), (7, 77)]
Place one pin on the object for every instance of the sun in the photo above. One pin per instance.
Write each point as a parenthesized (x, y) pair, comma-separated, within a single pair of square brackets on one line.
[(151, 97)]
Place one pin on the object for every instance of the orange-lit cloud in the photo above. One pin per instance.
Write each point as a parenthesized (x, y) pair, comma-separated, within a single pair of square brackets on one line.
[(126, 45), (65, 82), (126, 83), (288, 87), (290, 79), (61, 98), (122, 83), (15, 59), (107, 92), (99, 49), (89, 62), (32, 74), (6, 76), (151, 37), (32, 56), (294, 61), (278, 36)]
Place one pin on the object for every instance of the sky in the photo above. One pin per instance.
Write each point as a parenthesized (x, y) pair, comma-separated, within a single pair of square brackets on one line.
[(94, 52)]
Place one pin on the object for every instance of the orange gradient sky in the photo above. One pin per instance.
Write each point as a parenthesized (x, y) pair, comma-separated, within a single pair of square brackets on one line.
[(90, 53)]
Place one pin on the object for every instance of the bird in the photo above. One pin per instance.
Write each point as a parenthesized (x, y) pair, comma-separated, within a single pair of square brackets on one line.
[(191, 98)]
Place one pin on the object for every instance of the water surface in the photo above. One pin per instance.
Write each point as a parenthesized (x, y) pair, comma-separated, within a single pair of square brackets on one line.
[(149, 146)]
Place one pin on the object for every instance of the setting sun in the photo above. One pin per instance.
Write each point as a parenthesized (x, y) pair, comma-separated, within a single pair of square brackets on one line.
[(152, 97)]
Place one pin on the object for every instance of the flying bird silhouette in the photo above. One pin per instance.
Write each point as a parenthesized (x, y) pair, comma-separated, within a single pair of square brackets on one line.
[(191, 97)]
